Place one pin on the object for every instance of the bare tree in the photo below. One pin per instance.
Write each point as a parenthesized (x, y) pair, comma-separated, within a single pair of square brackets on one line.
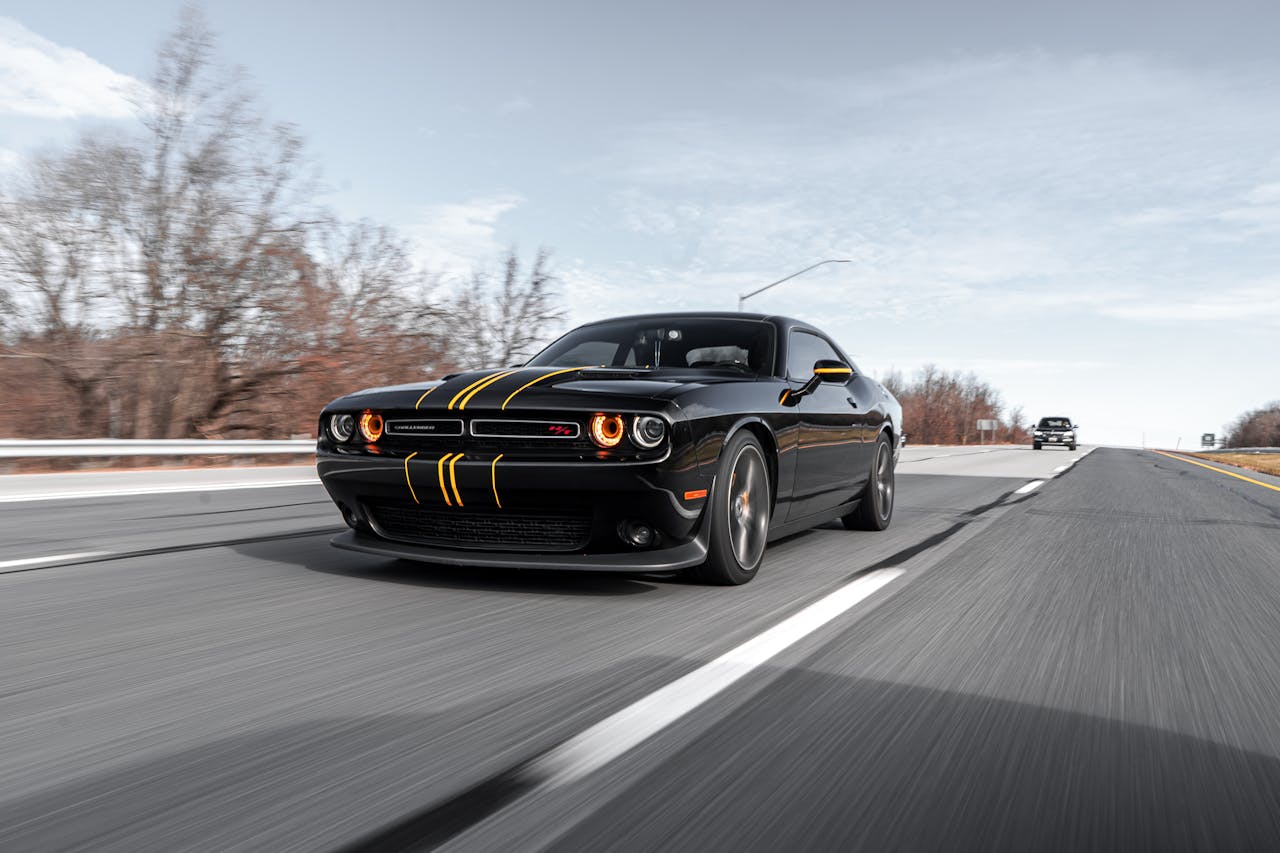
[(940, 407), (158, 276), (1258, 428), (180, 280), (504, 322)]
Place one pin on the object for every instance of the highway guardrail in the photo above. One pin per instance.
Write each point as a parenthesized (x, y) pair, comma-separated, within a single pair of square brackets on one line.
[(13, 448)]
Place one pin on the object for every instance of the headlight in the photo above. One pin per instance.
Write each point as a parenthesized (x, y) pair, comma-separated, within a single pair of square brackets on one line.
[(371, 426), (606, 430), (648, 431), (341, 427), (1038, 432)]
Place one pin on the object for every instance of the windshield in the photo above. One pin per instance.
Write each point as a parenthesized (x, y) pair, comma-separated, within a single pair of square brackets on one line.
[(741, 346), (1055, 423)]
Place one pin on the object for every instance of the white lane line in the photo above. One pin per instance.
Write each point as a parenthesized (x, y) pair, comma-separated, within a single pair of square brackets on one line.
[(1060, 469), (130, 491), (1029, 487), (56, 558), (634, 724)]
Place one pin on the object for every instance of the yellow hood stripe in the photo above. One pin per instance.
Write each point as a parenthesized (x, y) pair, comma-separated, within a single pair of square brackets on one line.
[(424, 396), (539, 379), (481, 387), (460, 394)]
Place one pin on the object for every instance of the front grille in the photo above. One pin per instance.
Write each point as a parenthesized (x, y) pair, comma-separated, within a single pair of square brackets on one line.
[(524, 429), (495, 531)]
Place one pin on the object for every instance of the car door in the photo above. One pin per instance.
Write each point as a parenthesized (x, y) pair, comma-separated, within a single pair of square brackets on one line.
[(832, 462)]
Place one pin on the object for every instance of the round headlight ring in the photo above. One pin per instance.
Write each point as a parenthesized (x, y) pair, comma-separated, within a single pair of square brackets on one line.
[(647, 431), (341, 427), (371, 426), (607, 430)]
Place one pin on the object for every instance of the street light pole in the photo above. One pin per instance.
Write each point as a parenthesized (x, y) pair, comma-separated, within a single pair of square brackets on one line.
[(744, 297)]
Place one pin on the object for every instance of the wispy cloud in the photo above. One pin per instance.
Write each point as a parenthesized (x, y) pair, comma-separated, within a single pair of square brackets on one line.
[(452, 238), (42, 79), (1005, 184), (515, 106)]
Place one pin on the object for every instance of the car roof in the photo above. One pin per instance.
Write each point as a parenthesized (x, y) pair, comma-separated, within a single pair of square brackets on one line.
[(784, 322)]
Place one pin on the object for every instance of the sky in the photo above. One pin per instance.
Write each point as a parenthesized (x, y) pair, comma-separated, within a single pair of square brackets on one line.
[(1079, 202)]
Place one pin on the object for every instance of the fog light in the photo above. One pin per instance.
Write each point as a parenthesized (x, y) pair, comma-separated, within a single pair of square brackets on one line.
[(636, 534)]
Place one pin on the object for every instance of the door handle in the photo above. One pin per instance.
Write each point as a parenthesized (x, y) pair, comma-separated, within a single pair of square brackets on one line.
[(852, 402)]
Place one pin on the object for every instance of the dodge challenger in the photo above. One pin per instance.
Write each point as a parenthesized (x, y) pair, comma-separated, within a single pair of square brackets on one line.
[(656, 443)]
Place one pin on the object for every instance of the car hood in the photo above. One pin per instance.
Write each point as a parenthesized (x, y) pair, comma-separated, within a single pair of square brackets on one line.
[(536, 388)]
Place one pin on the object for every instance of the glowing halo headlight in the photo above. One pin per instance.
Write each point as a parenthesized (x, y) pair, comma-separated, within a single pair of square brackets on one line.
[(371, 426), (647, 431), (607, 430), (341, 427)]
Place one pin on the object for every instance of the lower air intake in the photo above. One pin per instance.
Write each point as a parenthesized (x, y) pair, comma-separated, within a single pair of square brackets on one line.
[(484, 530)]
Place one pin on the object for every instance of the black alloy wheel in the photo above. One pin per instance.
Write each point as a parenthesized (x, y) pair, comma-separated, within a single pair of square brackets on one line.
[(738, 513), (875, 509)]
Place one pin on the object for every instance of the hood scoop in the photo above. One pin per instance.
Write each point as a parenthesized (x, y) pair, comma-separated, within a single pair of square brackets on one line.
[(614, 373)]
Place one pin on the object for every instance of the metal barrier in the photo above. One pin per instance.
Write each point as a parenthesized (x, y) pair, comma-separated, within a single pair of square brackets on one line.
[(13, 448)]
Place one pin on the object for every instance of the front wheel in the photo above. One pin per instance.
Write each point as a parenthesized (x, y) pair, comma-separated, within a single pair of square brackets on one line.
[(875, 509), (741, 503), (1035, 446)]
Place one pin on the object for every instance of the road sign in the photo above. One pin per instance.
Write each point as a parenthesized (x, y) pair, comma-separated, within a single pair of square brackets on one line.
[(985, 425), (1208, 439)]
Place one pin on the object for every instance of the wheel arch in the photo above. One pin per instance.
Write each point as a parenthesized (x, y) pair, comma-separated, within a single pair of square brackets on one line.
[(768, 443)]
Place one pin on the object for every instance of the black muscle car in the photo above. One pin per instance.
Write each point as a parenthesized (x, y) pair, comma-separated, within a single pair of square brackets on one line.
[(653, 443)]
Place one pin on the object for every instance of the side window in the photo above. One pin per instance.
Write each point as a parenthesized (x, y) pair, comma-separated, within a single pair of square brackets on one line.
[(803, 349)]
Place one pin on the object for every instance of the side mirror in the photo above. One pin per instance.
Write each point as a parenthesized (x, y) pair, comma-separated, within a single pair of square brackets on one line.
[(1075, 426), (830, 370), (824, 370)]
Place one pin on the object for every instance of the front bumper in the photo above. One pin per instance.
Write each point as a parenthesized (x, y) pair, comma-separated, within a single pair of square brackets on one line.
[(479, 510), (691, 553)]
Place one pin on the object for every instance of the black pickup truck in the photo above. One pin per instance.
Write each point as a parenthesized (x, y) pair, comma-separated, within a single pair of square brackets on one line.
[(1055, 432)]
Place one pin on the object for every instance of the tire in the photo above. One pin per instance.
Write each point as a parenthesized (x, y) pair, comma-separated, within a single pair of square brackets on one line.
[(1035, 445), (1071, 447), (738, 513), (875, 509)]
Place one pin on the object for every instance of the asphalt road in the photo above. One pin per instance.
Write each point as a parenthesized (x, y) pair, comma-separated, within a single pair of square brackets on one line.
[(1090, 663)]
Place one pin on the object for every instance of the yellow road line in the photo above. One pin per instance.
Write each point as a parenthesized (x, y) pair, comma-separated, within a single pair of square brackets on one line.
[(1220, 471), (460, 394), (453, 479), (440, 473), (406, 477), (481, 387), (539, 379), (424, 396), (493, 475)]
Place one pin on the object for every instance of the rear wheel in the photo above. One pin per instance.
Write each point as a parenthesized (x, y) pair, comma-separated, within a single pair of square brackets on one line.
[(875, 510), (738, 514)]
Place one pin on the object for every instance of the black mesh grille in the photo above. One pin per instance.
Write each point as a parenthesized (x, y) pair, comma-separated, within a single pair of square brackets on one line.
[(526, 429), (504, 531)]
